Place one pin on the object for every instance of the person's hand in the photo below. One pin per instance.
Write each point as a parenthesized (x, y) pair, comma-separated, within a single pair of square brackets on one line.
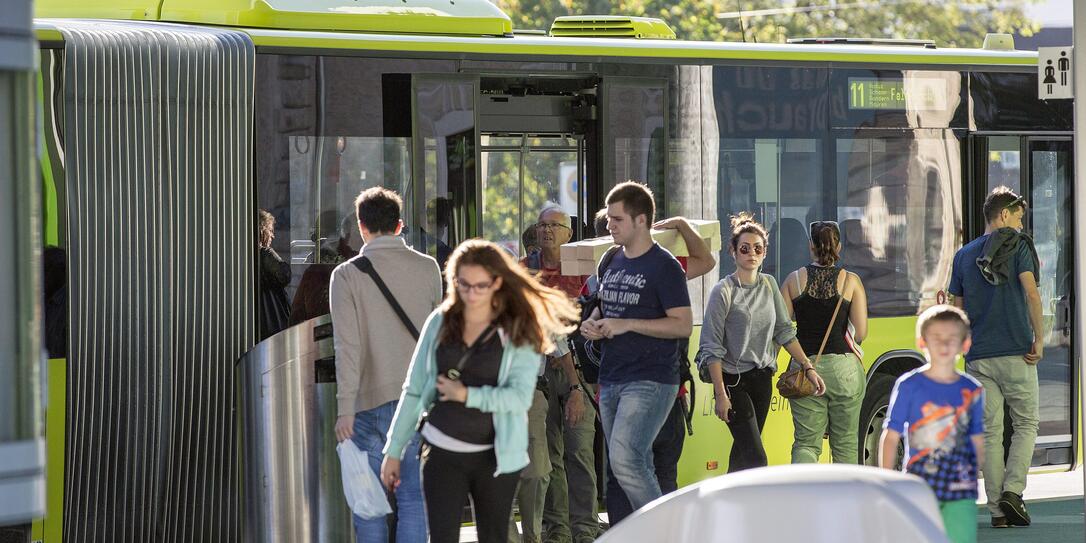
[(613, 327), (723, 406), (344, 427), (1036, 353), (591, 330), (820, 385), (451, 391), (669, 223), (390, 473), (575, 407)]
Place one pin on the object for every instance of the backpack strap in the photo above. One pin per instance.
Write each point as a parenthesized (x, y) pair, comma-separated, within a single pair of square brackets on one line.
[(605, 262), (365, 266)]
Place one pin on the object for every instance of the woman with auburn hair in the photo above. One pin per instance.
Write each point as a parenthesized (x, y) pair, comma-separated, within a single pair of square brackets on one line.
[(474, 372), (824, 298)]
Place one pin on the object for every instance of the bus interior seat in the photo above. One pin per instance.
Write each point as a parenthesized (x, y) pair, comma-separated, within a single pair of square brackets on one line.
[(791, 238)]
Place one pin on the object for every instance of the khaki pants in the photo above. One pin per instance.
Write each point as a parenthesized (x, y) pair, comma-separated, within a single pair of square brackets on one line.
[(570, 512), (535, 478), (837, 411), (1007, 379)]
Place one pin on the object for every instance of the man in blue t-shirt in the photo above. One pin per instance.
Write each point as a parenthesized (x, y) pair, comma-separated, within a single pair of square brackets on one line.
[(995, 280), (645, 308)]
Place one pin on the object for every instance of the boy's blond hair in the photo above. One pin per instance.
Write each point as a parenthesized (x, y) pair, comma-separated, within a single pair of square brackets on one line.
[(942, 313)]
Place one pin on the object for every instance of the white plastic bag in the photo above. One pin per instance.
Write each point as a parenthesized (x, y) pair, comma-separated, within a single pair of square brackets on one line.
[(363, 491)]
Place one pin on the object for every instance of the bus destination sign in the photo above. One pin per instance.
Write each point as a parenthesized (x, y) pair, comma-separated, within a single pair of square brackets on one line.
[(923, 94)]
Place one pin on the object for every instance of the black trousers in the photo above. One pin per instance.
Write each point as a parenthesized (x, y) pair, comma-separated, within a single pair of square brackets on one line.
[(751, 393), (449, 478)]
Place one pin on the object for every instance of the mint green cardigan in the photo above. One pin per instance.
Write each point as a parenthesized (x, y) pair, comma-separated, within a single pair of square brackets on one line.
[(508, 401)]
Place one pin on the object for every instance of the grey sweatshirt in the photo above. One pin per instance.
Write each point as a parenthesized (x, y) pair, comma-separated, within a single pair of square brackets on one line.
[(373, 347), (744, 326)]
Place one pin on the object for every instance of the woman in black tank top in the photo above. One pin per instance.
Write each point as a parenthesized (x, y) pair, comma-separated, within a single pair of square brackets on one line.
[(813, 295)]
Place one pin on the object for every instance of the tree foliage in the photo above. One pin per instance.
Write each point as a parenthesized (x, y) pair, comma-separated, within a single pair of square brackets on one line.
[(959, 23)]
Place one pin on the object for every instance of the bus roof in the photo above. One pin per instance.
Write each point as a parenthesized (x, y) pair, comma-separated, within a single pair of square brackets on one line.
[(443, 17), (471, 27)]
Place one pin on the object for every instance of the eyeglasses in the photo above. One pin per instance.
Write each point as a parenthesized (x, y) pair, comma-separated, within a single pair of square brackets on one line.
[(551, 226), (819, 225), (746, 249), (480, 288)]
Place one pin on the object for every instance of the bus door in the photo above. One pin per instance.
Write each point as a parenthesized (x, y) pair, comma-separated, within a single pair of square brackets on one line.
[(635, 134), (444, 196), (521, 175), (1041, 169)]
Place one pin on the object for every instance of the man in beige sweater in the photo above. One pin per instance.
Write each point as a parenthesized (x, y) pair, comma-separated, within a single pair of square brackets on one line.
[(374, 348)]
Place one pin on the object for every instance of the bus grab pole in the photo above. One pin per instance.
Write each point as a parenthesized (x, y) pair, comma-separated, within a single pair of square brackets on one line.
[(1079, 191)]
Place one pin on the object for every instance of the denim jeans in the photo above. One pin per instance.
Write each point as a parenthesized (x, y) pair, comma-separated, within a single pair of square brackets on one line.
[(370, 429), (632, 414), (666, 450)]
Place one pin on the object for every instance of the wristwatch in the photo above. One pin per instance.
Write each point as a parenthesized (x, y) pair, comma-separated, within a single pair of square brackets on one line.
[(575, 387)]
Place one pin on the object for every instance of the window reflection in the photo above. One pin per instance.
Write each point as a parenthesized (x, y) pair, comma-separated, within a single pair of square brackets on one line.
[(898, 202)]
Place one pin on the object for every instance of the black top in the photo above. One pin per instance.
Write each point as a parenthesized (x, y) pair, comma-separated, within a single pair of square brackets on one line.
[(813, 309), (454, 419)]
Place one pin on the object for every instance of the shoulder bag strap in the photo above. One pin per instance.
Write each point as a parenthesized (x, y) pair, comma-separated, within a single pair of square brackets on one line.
[(833, 319), (365, 266)]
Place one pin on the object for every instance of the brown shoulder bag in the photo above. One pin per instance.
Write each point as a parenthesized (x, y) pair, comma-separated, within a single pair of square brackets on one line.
[(794, 383)]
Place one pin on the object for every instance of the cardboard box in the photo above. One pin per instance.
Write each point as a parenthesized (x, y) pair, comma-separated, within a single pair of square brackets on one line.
[(581, 258)]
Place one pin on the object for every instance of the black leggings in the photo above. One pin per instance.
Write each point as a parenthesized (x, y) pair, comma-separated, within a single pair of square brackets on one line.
[(448, 478), (750, 402)]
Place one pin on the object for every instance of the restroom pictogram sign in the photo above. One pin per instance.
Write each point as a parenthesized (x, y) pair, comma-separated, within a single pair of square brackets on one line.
[(1055, 79)]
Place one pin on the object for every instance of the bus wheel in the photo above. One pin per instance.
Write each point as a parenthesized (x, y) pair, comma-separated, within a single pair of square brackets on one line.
[(873, 412)]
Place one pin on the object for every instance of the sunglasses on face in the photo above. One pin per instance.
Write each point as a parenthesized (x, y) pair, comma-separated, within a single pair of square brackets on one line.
[(464, 287), (756, 249), (817, 226)]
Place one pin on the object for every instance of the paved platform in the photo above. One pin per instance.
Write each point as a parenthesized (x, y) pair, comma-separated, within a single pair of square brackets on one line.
[(1054, 521)]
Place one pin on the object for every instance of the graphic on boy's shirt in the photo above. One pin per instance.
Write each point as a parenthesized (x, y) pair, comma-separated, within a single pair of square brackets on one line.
[(942, 429), (938, 422)]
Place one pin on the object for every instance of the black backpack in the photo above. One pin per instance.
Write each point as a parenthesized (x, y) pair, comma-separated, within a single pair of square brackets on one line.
[(586, 354)]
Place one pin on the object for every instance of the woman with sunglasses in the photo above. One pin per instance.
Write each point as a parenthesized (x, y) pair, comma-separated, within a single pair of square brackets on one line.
[(474, 371), (745, 325), (823, 299)]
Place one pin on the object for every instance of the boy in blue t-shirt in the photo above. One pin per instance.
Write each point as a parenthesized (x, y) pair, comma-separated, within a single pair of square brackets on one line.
[(940, 413)]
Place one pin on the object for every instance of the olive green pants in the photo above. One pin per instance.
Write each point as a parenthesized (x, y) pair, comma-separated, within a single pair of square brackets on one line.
[(1007, 379), (837, 412), (535, 478)]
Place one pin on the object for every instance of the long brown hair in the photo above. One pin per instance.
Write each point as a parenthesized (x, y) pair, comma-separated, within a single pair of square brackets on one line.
[(527, 311)]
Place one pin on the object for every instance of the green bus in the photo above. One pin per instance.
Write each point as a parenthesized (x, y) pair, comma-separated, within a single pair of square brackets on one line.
[(168, 124)]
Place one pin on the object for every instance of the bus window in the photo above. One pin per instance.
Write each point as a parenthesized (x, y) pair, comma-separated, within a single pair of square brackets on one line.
[(521, 176), (635, 133), (445, 156), (780, 180), (1004, 163), (1049, 197), (326, 129), (885, 184)]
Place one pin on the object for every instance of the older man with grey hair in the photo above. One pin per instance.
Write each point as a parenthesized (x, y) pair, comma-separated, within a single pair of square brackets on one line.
[(569, 513)]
